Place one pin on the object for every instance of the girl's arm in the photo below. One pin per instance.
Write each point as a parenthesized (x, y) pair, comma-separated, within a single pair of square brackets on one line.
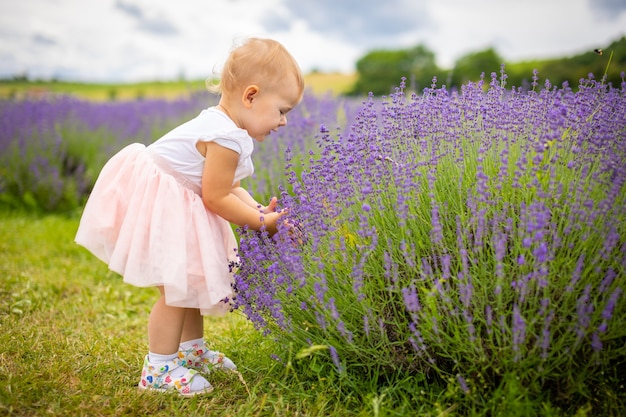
[(249, 200), (227, 201)]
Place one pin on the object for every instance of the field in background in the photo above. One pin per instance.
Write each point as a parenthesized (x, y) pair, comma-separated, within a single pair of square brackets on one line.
[(98, 92), (337, 83), (318, 82)]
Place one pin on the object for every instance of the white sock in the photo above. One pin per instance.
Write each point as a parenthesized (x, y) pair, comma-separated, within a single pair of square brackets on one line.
[(159, 358), (197, 383), (190, 343)]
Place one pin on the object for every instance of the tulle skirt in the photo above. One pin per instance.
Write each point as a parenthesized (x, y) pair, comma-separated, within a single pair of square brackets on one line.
[(150, 226)]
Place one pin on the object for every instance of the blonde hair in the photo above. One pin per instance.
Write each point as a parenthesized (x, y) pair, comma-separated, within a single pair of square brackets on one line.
[(264, 62)]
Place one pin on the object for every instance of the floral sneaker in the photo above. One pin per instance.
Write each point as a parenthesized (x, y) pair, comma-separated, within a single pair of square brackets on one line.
[(161, 379), (204, 360)]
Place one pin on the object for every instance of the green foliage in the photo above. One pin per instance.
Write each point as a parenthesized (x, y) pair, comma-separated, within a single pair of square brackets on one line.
[(469, 67), (610, 64), (380, 70)]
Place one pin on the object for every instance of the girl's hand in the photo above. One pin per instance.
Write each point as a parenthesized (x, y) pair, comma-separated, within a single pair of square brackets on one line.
[(270, 221), (271, 207)]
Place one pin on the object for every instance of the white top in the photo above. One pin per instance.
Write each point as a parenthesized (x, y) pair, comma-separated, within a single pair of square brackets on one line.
[(178, 147)]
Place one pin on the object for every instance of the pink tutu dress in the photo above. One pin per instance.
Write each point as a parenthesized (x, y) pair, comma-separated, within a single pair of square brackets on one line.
[(146, 219)]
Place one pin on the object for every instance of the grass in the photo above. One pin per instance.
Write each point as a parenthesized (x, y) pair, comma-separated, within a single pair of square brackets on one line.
[(319, 82), (73, 336)]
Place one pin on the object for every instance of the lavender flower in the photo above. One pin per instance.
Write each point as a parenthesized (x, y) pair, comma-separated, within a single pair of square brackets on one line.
[(577, 273), (462, 383), (607, 312), (411, 300), (519, 332), (584, 308), (335, 357)]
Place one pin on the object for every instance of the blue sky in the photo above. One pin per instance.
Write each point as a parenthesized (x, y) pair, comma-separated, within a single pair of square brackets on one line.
[(132, 40)]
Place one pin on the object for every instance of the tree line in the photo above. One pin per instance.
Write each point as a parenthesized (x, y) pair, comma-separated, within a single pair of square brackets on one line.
[(380, 71)]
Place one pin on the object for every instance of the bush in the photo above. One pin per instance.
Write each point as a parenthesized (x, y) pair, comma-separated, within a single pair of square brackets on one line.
[(473, 242)]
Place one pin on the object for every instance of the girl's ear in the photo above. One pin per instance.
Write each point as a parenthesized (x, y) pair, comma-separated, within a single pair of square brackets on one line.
[(249, 94)]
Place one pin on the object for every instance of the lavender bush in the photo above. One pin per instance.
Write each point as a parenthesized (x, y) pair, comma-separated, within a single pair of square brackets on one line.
[(51, 151), (297, 138), (473, 241)]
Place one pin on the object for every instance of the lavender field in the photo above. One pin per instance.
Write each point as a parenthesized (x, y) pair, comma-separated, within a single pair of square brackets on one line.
[(51, 150), (452, 247)]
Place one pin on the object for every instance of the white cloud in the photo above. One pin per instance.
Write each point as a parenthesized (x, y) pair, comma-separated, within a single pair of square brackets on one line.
[(520, 30), (127, 40), (363, 22)]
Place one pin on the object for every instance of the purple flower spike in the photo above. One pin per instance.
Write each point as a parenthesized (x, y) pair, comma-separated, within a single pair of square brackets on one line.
[(462, 383)]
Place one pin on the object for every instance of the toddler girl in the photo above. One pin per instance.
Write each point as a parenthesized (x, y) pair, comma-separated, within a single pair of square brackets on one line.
[(160, 215)]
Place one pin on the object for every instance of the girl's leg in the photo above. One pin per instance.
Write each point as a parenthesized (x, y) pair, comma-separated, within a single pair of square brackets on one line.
[(163, 370), (193, 327), (195, 351), (165, 327)]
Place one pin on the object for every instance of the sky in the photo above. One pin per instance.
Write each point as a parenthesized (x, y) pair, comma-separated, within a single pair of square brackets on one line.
[(141, 40)]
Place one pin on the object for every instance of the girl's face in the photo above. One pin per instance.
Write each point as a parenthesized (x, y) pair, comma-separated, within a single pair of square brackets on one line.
[(266, 109)]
